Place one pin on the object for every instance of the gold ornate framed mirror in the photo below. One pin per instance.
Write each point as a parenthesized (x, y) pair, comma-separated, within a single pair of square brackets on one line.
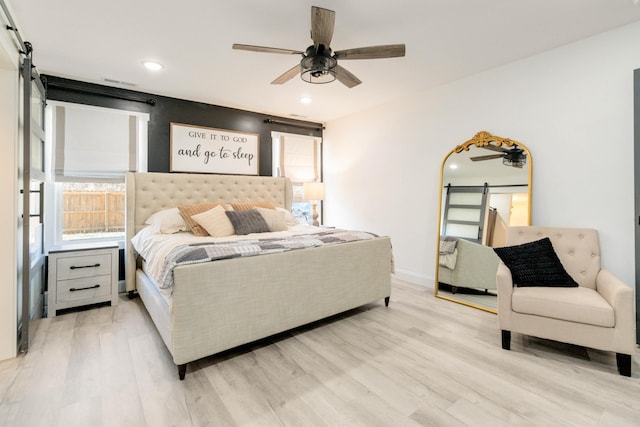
[(485, 187)]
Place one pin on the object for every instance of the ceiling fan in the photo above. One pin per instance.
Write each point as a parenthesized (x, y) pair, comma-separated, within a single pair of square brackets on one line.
[(319, 63), (514, 156)]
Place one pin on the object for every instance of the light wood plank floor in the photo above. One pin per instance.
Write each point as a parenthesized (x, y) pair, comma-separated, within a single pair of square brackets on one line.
[(422, 361)]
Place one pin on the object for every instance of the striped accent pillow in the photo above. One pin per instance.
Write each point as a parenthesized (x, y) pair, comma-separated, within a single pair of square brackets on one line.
[(245, 206), (187, 211), (247, 222)]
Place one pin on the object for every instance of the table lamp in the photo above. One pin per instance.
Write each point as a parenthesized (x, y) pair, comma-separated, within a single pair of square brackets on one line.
[(314, 191)]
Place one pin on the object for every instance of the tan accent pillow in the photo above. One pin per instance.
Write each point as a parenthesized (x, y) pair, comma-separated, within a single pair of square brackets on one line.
[(187, 211), (215, 222), (246, 206), (275, 219)]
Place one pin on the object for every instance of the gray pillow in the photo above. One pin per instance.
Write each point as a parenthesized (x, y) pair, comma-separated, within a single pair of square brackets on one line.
[(247, 222), (447, 246)]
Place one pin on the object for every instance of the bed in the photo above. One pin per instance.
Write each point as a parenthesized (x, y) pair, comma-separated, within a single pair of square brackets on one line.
[(215, 306), (469, 265)]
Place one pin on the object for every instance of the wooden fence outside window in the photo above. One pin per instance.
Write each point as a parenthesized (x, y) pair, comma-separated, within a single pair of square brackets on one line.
[(92, 212)]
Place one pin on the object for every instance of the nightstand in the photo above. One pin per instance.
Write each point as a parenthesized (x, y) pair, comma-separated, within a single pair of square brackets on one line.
[(81, 274)]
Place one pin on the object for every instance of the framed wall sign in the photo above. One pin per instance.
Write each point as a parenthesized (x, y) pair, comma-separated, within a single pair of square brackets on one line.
[(210, 150)]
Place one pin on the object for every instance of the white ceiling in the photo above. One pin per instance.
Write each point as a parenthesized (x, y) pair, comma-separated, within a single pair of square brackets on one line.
[(446, 40)]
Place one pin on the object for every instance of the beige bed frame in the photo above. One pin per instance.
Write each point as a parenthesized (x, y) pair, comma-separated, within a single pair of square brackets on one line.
[(220, 305)]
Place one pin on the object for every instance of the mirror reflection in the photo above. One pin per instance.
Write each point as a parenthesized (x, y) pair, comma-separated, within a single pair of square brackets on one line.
[(485, 188)]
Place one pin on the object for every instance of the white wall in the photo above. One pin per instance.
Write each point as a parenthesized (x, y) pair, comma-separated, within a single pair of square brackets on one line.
[(8, 195), (572, 107)]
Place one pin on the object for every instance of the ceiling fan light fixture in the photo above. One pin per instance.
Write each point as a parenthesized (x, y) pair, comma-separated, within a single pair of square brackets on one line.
[(515, 159), (318, 75), (318, 68), (514, 163)]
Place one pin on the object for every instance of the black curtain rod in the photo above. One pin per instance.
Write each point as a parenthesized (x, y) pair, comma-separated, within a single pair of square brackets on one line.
[(483, 186), (96, 91), (299, 125)]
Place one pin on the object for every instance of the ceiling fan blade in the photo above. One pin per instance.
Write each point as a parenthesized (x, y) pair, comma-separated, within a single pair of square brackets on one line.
[(265, 49), (372, 52), (494, 148), (287, 75), (322, 23), (346, 77), (487, 157)]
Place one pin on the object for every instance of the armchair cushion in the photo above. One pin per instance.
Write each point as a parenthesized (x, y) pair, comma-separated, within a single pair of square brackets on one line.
[(580, 305), (535, 264)]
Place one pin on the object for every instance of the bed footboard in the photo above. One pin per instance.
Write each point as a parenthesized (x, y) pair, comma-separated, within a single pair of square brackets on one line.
[(256, 297)]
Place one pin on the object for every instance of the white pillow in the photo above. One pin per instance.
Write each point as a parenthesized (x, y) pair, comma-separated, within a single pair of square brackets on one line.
[(167, 221), (215, 221), (289, 219), (275, 219)]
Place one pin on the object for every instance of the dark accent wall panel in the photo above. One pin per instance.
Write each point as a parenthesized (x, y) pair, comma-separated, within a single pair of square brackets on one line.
[(164, 110)]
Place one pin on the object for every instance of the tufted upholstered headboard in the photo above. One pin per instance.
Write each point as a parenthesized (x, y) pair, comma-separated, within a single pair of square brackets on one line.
[(150, 192)]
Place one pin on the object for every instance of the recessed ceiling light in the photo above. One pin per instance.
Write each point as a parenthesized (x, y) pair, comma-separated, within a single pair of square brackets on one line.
[(305, 99), (453, 166), (152, 65)]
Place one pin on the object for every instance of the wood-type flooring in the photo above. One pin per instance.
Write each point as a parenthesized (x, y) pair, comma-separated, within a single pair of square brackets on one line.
[(422, 361)]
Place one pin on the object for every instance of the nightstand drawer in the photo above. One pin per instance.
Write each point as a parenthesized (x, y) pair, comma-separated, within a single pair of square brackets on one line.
[(83, 266), (92, 289)]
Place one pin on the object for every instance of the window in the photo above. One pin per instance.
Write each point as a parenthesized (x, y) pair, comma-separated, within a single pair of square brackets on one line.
[(92, 210), (298, 158), (93, 149)]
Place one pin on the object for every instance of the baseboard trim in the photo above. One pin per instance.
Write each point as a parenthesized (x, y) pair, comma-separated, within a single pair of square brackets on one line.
[(414, 278)]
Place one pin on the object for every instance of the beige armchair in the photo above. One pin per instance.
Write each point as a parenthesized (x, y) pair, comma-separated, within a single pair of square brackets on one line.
[(599, 313)]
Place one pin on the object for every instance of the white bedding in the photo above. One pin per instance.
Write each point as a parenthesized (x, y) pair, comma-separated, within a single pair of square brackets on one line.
[(154, 247)]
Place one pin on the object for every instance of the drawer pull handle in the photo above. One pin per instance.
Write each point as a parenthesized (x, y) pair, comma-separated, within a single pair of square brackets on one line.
[(74, 267), (83, 289)]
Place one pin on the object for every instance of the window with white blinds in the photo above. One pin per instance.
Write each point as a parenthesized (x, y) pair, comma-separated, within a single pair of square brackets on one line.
[(94, 147), (97, 144), (297, 157)]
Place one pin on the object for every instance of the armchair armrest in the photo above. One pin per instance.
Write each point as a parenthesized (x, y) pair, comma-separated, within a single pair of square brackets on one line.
[(504, 282), (614, 290), (620, 297)]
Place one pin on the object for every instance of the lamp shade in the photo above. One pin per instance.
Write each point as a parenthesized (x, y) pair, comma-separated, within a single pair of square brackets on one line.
[(314, 191)]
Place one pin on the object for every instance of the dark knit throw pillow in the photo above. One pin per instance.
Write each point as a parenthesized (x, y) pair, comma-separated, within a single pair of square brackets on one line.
[(247, 222), (535, 264)]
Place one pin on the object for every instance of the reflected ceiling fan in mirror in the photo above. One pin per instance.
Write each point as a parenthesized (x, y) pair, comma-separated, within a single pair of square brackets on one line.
[(319, 63), (514, 156)]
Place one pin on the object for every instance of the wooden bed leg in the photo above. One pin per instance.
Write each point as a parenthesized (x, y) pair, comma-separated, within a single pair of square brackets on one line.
[(386, 301), (182, 371)]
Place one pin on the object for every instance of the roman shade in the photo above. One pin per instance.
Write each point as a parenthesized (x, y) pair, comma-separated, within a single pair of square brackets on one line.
[(298, 158), (97, 144)]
